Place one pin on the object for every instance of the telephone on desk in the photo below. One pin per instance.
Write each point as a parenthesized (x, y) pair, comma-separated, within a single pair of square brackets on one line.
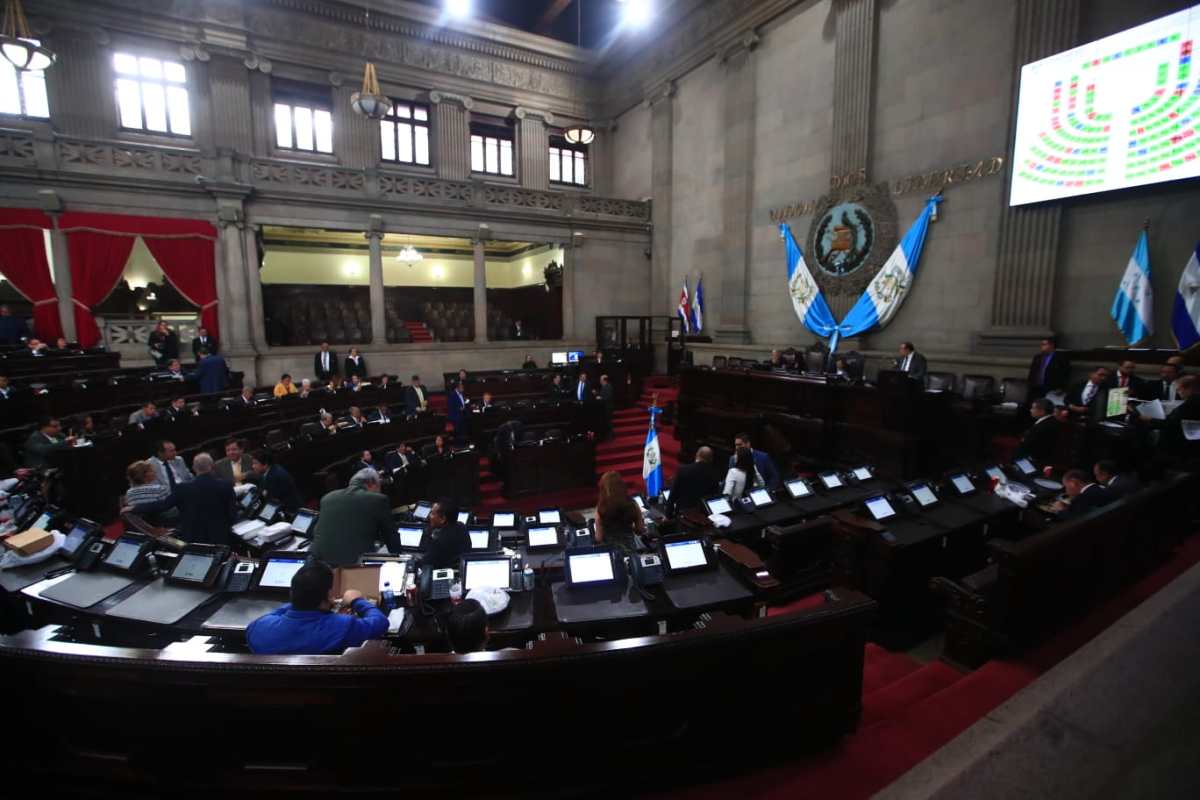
[(646, 569)]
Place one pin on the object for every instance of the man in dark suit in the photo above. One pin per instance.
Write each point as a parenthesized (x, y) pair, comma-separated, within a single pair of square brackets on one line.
[(448, 539), (402, 459), (608, 400), (1041, 439), (246, 398), (352, 520), (203, 342), (1049, 370), (1174, 442), (325, 364), (275, 480), (236, 465), (1085, 494), (456, 406), (911, 362), (694, 482), (177, 410), (1166, 388), (206, 506), (1086, 396), (44, 441), (559, 391), (1118, 484), (416, 397), (211, 373), (582, 392), (1126, 378), (12, 329), (762, 461), (163, 344)]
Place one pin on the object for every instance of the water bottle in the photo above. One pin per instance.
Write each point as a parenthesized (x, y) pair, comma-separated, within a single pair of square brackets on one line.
[(387, 599), (529, 579)]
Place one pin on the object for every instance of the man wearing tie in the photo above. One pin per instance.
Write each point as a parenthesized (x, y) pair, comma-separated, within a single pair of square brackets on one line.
[(581, 388), (203, 342), (1049, 370), (414, 396), (325, 363), (456, 406), (1126, 379), (168, 466), (1083, 398), (1167, 387), (911, 362)]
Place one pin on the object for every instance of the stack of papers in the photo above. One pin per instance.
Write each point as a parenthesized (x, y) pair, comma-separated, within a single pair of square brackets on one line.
[(720, 520), (273, 533), (249, 528)]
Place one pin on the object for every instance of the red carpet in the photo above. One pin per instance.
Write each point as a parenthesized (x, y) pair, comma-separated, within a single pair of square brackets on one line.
[(911, 710), (418, 331)]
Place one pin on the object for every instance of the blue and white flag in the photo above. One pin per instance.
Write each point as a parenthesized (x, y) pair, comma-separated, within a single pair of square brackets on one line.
[(807, 300), (685, 308), (1133, 307), (698, 306), (1185, 317), (652, 472)]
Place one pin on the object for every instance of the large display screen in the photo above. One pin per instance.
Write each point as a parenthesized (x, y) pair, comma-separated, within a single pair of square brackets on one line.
[(591, 568), (1118, 112), (490, 573), (685, 555)]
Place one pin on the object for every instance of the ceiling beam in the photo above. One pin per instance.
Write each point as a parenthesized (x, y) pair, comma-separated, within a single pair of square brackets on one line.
[(552, 12)]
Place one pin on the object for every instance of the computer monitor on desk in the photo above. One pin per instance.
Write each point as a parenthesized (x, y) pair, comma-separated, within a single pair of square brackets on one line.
[(591, 567), (558, 359)]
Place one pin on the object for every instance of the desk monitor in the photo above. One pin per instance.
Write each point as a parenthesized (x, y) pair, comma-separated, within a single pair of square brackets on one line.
[(411, 537), (574, 356), (304, 521), (924, 495), (1026, 466), (863, 473), (880, 508), (125, 553), (464, 518), (798, 487), (718, 505), (198, 565), (831, 480), (549, 516), (995, 473), (249, 498), (504, 519), (421, 510), (962, 484), (278, 571), (77, 536), (558, 359), (485, 573), (637, 498), (590, 566), (686, 555), (43, 520), (481, 538), (269, 510), (543, 537), (761, 498)]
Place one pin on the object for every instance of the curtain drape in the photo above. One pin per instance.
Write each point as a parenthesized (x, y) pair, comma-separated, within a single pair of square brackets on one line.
[(97, 260), (23, 262), (188, 265)]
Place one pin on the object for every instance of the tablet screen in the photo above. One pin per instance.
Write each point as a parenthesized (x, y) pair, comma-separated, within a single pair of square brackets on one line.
[(995, 472), (421, 511), (42, 521), (123, 555), (268, 511), (718, 505), (410, 537), (831, 480), (486, 573), (464, 517), (863, 473), (880, 508), (591, 567), (504, 519), (637, 498), (479, 538), (962, 483), (248, 499), (798, 488), (549, 517), (74, 539), (924, 495), (278, 573), (761, 497), (1026, 466), (543, 537), (684, 555), (302, 522), (192, 567)]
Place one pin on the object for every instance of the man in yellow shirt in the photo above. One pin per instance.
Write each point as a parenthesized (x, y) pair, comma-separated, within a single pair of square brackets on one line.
[(285, 386)]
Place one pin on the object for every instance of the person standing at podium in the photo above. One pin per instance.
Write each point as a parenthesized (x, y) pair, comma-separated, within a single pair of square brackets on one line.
[(911, 362)]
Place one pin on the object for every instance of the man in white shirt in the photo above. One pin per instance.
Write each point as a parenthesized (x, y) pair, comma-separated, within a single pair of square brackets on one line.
[(415, 397), (325, 363), (911, 362), (169, 466), (1082, 397), (1167, 387)]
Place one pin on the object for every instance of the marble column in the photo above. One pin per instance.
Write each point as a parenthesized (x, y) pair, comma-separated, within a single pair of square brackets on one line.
[(737, 202), (229, 89), (533, 147), (480, 291), (233, 294), (79, 87), (662, 138), (374, 237), (600, 157), (570, 260), (62, 282), (452, 132), (1028, 241)]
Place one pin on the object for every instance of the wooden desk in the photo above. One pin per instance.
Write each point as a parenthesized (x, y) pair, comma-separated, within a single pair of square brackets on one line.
[(549, 467)]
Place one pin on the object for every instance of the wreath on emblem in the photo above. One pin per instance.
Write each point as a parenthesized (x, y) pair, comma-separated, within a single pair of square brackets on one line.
[(651, 457), (855, 255)]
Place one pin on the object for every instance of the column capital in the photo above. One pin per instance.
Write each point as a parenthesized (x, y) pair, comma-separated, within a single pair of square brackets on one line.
[(523, 112), (663, 91), (747, 43), (437, 97), (231, 215), (375, 228)]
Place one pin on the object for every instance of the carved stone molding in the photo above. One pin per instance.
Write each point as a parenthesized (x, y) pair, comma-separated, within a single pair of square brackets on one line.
[(524, 198), (748, 43), (254, 61), (124, 157), (17, 147), (336, 79), (437, 97), (193, 52), (375, 228), (231, 215), (412, 187), (663, 91), (610, 207), (523, 112), (309, 177)]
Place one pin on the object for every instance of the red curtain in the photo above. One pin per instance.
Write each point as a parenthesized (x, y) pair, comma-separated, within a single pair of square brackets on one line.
[(97, 261), (184, 248), (23, 262)]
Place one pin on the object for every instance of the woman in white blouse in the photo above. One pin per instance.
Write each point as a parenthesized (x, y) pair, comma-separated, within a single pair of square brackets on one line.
[(743, 475)]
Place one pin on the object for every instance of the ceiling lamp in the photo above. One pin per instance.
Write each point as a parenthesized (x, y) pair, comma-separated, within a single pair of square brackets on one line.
[(409, 255), (370, 101), (579, 134), (17, 43)]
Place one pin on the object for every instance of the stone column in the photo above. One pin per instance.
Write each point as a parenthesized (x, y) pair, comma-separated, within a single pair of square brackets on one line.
[(233, 293), (737, 202), (229, 88), (662, 138), (533, 143), (600, 157), (570, 249), (452, 134), (854, 86), (1028, 242), (80, 86), (480, 289), (62, 282), (374, 237)]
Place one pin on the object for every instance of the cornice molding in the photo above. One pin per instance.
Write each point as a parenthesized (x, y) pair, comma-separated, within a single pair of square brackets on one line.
[(663, 91)]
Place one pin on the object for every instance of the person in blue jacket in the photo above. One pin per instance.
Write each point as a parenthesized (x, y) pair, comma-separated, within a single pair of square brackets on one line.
[(308, 626), (211, 373)]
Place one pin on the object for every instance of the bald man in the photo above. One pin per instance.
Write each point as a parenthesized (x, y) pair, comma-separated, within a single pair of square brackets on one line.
[(694, 482), (206, 506)]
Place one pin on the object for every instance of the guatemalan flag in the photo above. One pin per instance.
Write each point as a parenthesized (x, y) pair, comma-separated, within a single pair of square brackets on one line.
[(1185, 318), (685, 307), (1133, 307), (652, 471), (698, 306), (807, 300)]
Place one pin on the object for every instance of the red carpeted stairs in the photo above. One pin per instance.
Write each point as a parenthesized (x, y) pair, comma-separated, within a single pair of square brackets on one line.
[(622, 453), (418, 331)]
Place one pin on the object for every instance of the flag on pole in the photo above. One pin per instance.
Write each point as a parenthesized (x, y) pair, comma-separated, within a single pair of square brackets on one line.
[(698, 306), (652, 472), (1133, 306), (807, 300), (685, 308), (1185, 317)]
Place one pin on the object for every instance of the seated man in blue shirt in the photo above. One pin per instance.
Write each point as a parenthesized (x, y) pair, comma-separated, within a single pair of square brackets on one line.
[(307, 626)]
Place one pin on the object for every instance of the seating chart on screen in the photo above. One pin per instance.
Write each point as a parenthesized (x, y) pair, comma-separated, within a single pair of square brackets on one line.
[(1121, 111)]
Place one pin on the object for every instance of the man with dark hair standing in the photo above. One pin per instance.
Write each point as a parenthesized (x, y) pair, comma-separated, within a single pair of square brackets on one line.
[(308, 626), (467, 627), (275, 480), (211, 373), (762, 461), (12, 329), (1086, 396), (1049, 370), (1040, 440), (203, 342), (236, 465), (448, 539), (325, 364), (45, 440), (353, 519), (912, 363), (416, 399)]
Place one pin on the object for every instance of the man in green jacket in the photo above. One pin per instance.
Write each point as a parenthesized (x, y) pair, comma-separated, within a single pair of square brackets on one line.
[(352, 521), (44, 441)]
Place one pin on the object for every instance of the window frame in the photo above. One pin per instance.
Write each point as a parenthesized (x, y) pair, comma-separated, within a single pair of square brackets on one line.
[(140, 79), (413, 123), (22, 106), (501, 133), (300, 95), (557, 142)]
